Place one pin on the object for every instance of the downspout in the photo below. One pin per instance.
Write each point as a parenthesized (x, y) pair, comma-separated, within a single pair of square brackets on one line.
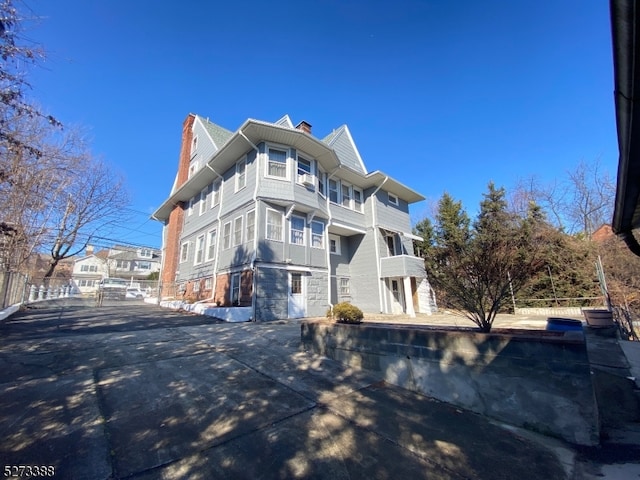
[(162, 260), (254, 275), (326, 186), (375, 239)]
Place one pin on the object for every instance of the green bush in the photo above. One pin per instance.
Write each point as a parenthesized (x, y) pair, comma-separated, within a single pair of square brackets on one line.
[(346, 313)]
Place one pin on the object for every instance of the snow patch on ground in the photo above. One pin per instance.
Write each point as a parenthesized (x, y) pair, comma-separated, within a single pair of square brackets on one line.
[(228, 314)]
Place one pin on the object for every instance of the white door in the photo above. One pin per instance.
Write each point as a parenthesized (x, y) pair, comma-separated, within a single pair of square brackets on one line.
[(297, 307), (397, 297)]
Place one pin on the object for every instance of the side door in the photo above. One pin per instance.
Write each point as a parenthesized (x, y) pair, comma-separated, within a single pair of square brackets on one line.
[(296, 295)]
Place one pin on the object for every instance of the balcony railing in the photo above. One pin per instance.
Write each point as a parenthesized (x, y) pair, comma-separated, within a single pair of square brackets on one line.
[(402, 266)]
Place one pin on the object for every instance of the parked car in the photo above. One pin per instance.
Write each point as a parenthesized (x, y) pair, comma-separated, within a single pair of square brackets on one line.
[(135, 292)]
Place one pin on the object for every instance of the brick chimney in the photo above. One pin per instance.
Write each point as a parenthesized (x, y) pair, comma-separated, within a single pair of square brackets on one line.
[(304, 126)]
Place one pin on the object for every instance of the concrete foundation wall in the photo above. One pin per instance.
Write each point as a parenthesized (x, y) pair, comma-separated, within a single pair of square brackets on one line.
[(551, 311), (538, 381)]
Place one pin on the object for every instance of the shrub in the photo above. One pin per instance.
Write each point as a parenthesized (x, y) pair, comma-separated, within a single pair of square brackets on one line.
[(346, 313)]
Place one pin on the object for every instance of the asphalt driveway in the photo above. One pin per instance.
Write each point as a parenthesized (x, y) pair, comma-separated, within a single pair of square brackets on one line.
[(134, 391)]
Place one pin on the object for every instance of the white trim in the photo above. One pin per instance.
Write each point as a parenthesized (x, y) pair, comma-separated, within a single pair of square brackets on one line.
[(233, 233), (224, 227), (246, 226), (333, 236), (291, 230), (411, 236), (392, 202), (323, 235), (183, 244), (347, 227), (202, 207), (214, 192), (202, 251), (208, 243), (293, 268), (266, 226), (244, 174), (287, 154)]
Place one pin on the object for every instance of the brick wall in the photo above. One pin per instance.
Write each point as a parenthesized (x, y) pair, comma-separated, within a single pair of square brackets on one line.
[(176, 218)]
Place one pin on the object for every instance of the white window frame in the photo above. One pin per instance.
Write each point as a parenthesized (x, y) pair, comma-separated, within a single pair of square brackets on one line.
[(309, 173), (355, 203), (190, 208), (241, 177), (393, 199), (237, 231), (336, 239), (271, 211), (348, 197), (198, 257), (345, 287), (298, 241), (337, 190), (216, 186), (250, 226), (315, 235), (194, 145), (208, 283), (286, 162), (236, 286), (322, 183), (211, 252), (226, 236), (193, 168), (195, 286), (184, 252), (203, 199)]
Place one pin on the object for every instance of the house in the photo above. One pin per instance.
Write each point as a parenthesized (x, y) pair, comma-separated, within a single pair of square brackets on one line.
[(273, 218), (89, 270), (134, 264)]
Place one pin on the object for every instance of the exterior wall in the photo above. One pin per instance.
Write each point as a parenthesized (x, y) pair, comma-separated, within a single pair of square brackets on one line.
[(222, 296), (364, 273), (317, 295), (390, 216)]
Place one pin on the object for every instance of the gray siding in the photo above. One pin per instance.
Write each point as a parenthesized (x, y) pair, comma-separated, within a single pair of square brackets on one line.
[(345, 150), (271, 294), (364, 273), (391, 216)]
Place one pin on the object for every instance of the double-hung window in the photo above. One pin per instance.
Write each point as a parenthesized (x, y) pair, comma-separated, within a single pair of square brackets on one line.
[(358, 199), (203, 200), (277, 164), (274, 225), (297, 230), (304, 169), (190, 208), (199, 256), (226, 236), (184, 252), (333, 191), (237, 231), (215, 192), (345, 289), (241, 174), (251, 226), (322, 180), (392, 199), (317, 234), (212, 238), (346, 195), (334, 244)]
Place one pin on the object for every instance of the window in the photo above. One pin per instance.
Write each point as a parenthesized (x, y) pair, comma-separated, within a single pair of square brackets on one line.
[(237, 231), (226, 235), (146, 252), (346, 195), (215, 192), (392, 199), (184, 252), (235, 289), (297, 230), (194, 145), (241, 174), (274, 225), (304, 168), (190, 208), (203, 200), (345, 290), (193, 168), (212, 238), (144, 265), (296, 283), (317, 234), (88, 268), (322, 180), (391, 245), (357, 199), (334, 244), (122, 264), (251, 226), (208, 283), (277, 164), (333, 191), (196, 286), (199, 250)]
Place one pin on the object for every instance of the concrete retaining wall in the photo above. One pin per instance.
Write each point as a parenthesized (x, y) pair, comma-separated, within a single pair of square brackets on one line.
[(534, 379), (551, 311)]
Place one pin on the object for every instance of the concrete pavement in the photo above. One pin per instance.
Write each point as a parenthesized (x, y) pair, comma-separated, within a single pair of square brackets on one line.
[(133, 391)]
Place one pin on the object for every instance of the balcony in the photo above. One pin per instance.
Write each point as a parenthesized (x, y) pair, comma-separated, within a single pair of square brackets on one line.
[(402, 266)]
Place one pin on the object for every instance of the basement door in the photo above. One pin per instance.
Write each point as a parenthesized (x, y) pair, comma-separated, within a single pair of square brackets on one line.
[(397, 296), (296, 295)]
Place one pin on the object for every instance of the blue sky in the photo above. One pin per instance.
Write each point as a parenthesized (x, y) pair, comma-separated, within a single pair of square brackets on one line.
[(443, 96)]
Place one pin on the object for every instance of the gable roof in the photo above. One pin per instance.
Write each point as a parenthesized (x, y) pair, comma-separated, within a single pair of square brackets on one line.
[(219, 135), (342, 142), (284, 122)]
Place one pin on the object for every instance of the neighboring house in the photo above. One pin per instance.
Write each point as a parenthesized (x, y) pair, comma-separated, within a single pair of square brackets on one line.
[(274, 218), (133, 264), (89, 270), (130, 263)]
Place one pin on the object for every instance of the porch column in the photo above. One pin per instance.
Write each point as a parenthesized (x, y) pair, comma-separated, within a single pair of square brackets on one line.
[(408, 299)]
